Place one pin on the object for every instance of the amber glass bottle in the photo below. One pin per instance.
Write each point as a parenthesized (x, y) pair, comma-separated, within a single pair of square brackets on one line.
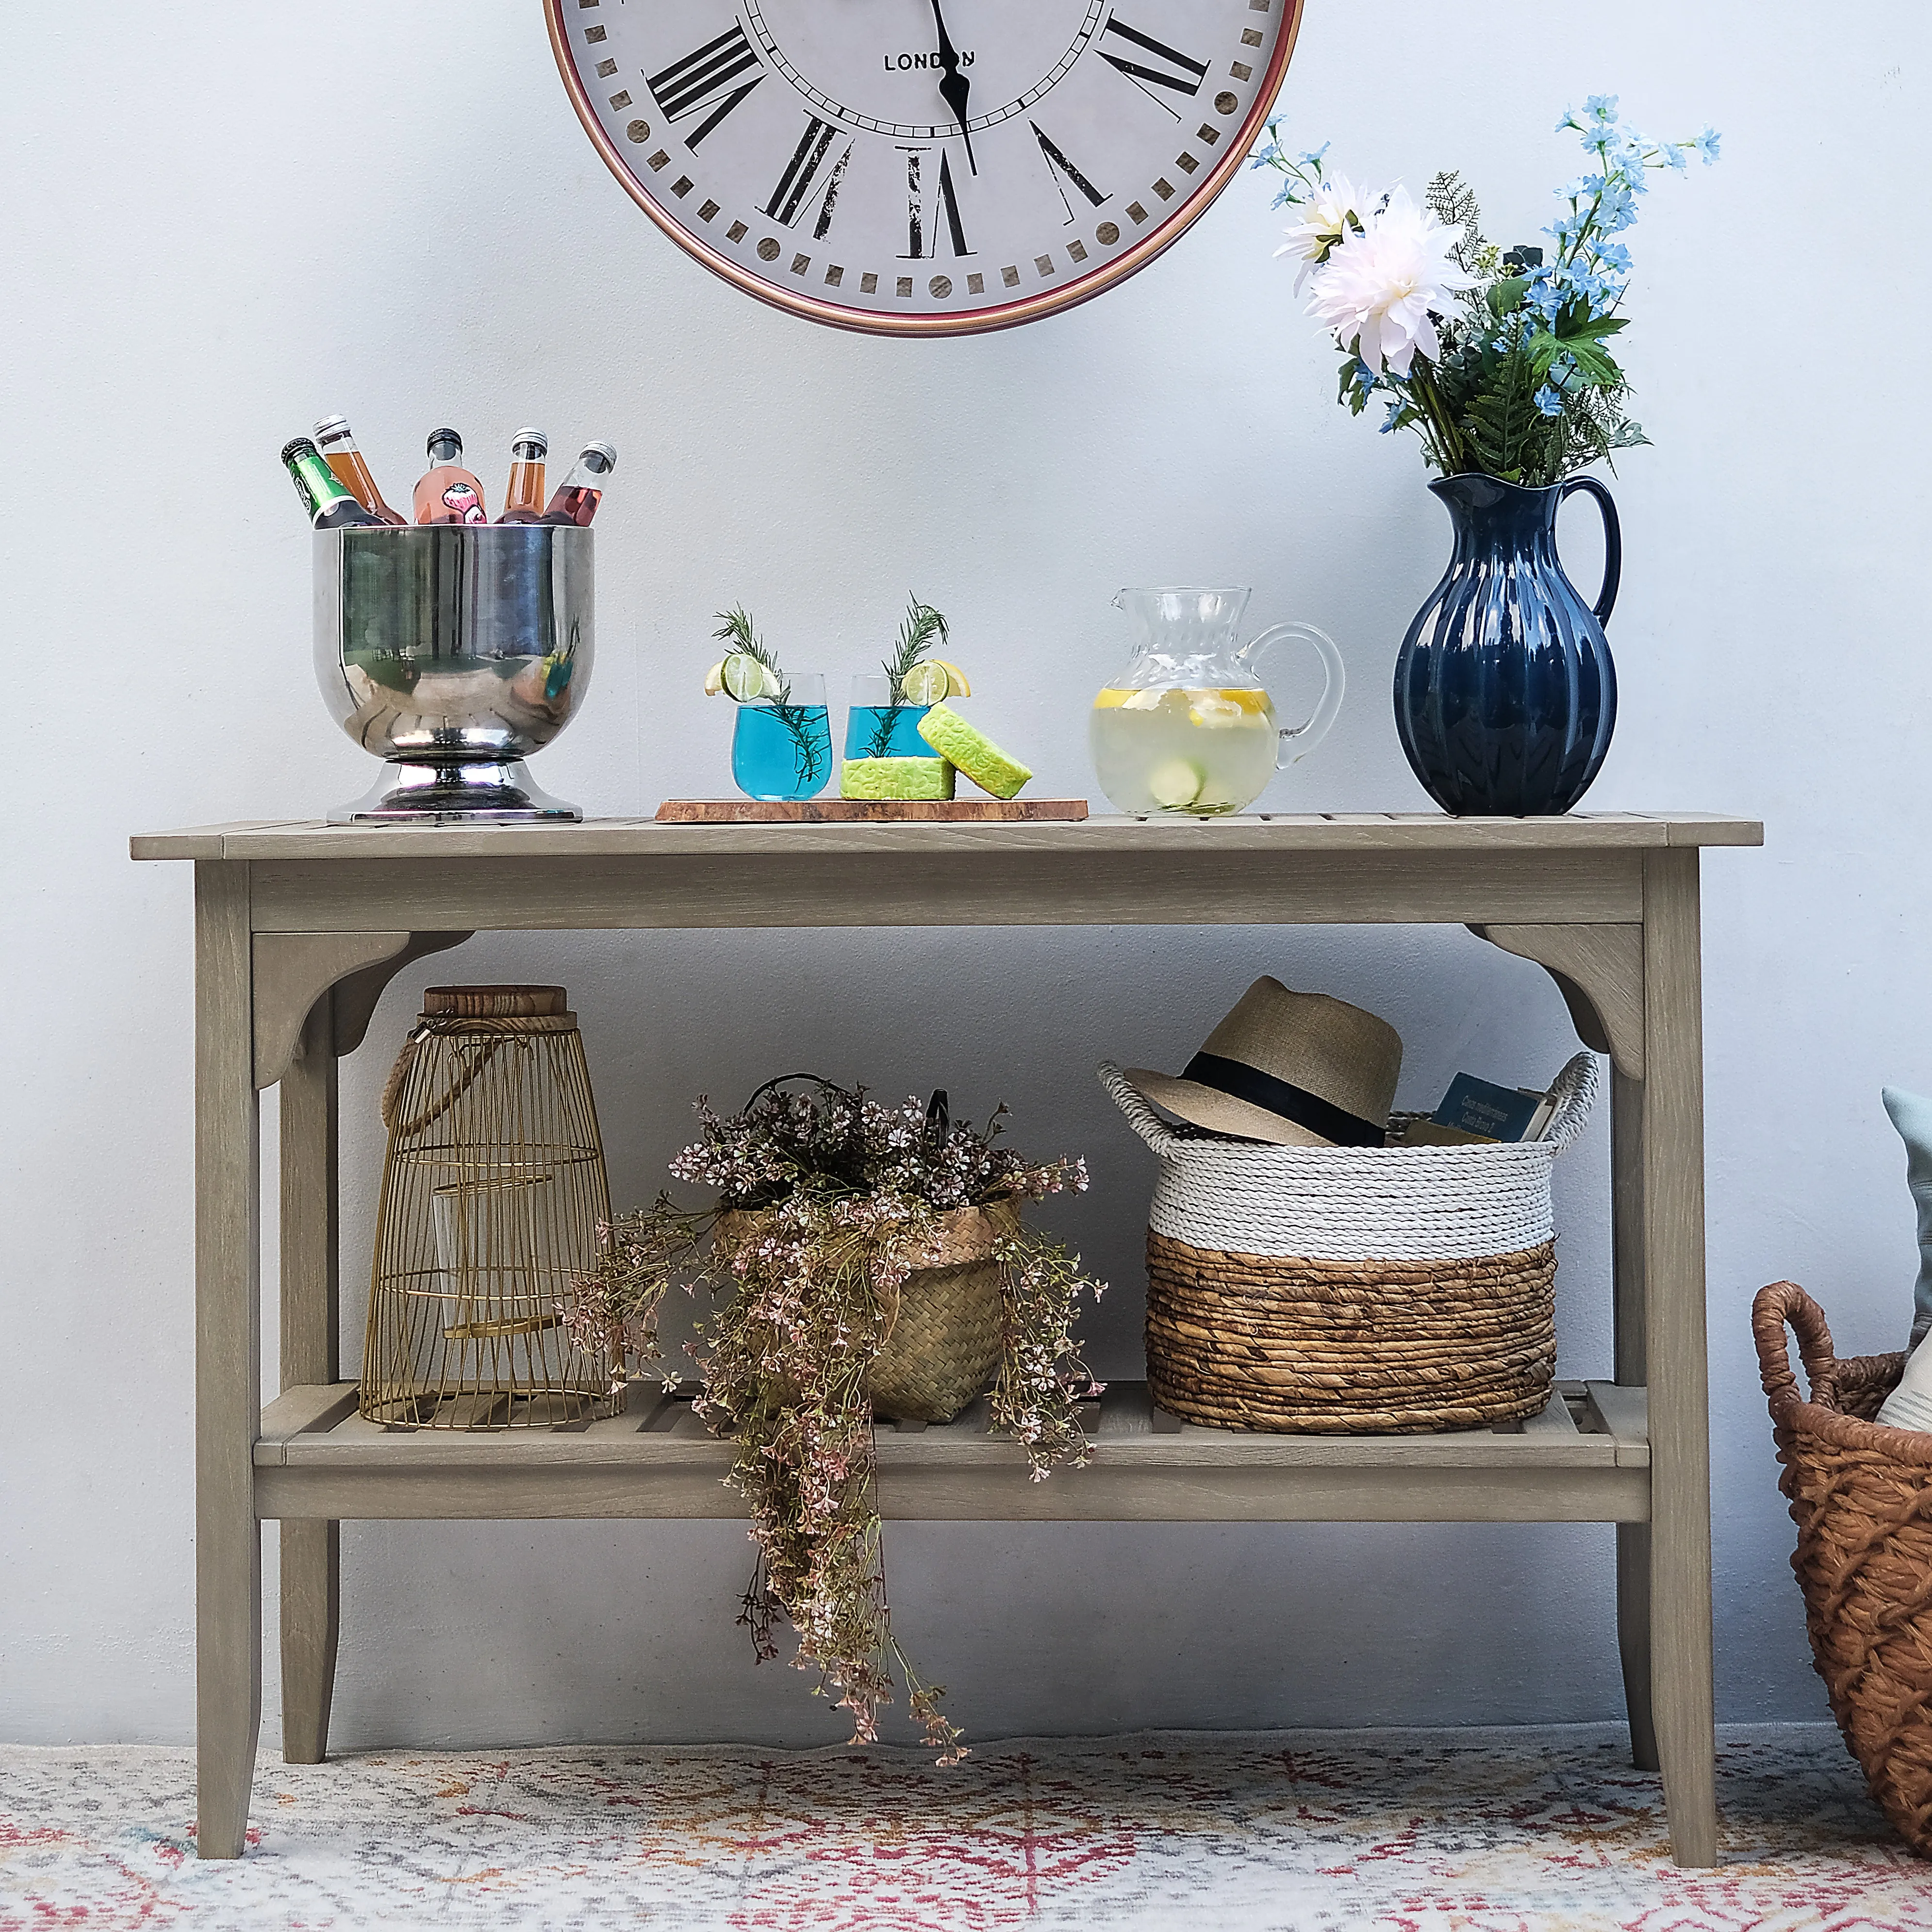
[(524, 498), (336, 442)]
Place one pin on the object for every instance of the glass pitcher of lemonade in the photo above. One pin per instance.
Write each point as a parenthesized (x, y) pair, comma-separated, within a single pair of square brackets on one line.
[(1188, 727)]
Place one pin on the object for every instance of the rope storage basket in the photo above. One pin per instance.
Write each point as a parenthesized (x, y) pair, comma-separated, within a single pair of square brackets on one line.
[(943, 1340), (493, 1195), (1861, 1494), (1346, 1290)]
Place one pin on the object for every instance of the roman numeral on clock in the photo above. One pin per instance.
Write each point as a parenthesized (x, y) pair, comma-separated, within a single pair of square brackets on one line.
[(1130, 52), (1062, 172), (926, 206), (707, 78), (799, 182)]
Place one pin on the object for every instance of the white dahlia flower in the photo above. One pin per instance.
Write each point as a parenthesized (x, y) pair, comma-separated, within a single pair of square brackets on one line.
[(1332, 212), (1376, 289)]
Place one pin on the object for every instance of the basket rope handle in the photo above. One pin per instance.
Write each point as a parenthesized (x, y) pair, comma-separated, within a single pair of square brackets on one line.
[(1140, 1115), (1574, 1090), (1785, 1302)]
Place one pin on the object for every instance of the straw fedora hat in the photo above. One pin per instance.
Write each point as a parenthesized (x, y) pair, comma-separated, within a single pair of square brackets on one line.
[(1297, 1069)]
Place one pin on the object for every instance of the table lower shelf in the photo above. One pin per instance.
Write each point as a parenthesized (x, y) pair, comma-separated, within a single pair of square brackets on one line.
[(1586, 1459)]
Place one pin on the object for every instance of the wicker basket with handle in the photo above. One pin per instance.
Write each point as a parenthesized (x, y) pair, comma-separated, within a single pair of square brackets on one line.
[(1861, 1494), (1352, 1290), (942, 1340)]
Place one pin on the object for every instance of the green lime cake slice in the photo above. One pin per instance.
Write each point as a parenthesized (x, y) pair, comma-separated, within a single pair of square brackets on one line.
[(895, 779), (973, 751)]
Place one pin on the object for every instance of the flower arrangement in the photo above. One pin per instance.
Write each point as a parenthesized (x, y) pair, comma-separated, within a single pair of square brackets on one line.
[(1499, 361), (828, 1202)]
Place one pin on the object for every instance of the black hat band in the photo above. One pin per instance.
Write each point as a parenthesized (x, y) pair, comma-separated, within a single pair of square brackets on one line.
[(1240, 1082)]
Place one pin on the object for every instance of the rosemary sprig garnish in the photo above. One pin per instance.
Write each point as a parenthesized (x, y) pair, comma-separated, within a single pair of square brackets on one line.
[(735, 629), (922, 627)]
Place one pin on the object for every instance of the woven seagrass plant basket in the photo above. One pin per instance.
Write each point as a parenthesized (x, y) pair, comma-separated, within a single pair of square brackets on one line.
[(1861, 1494), (1350, 1290), (943, 1341)]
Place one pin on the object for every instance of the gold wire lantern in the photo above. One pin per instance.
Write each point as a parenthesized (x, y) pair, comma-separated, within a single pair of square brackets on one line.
[(494, 1193)]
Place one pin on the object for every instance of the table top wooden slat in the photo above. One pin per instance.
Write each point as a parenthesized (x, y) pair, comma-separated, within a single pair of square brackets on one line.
[(1336, 832)]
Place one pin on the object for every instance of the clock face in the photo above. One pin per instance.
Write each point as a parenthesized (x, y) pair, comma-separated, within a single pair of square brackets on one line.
[(923, 167)]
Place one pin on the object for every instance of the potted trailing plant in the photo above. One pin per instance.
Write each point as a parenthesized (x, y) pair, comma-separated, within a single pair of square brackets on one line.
[(1502, 362), (858, 1258)]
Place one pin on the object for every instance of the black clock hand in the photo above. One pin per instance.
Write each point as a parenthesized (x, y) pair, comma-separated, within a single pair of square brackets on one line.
[(955, 87)]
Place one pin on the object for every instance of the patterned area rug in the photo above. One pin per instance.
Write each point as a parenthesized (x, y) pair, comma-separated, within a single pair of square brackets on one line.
[(1519, 1831)]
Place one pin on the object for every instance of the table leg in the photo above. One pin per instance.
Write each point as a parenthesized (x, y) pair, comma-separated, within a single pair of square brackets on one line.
[(228, 1356), (311, 1550), (1633, 1538), (1672, 1218)]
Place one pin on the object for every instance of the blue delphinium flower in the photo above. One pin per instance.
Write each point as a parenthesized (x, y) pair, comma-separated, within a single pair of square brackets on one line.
[(1706, 145), (1544, 295), (1393, 420), (1548, 401), (1601, 108)]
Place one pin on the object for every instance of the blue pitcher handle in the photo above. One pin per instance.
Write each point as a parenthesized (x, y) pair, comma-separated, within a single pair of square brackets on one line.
[(1613, 543)]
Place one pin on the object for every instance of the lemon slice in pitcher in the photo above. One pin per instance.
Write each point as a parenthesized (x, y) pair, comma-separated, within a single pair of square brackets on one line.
[(1176, 784)]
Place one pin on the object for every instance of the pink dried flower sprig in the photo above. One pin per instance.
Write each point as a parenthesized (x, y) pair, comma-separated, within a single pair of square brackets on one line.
[(828, 1203), (838, 1140)]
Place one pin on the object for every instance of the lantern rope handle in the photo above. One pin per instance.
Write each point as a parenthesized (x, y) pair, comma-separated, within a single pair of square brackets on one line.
[(498, 1033)]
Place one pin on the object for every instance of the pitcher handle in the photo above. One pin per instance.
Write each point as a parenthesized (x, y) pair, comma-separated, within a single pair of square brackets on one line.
[(1613, 542), (1305, 736)]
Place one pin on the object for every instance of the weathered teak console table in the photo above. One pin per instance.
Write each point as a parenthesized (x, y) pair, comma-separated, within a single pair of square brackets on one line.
[(299, 928)]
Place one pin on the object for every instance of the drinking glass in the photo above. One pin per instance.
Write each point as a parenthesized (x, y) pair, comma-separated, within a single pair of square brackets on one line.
[(781, 747), (875, 727)]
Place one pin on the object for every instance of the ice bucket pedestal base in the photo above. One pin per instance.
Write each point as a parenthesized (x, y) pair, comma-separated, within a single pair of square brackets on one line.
[(498, 791)]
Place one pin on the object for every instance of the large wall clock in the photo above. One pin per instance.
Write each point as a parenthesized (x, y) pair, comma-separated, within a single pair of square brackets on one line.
[(923, 167)]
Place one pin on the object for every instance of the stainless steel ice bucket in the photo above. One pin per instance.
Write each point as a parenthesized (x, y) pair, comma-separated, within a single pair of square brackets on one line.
[(453, 651)]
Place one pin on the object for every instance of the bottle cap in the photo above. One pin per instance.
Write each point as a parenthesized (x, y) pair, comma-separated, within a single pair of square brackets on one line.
[(300, 446), (449, 435), (332, 429), (599, 457), (535, 436)]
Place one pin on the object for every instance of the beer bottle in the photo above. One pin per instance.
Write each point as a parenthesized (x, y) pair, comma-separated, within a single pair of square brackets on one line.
[(337, 442), (524, 498), (576, 496), (447, 493), (330, 507)]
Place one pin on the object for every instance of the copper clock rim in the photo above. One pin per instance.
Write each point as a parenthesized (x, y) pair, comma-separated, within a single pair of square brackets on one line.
[(980, 322)]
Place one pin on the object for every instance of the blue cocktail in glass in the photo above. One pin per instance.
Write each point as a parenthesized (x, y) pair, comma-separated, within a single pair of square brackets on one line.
[(875, 727), (781, 750)]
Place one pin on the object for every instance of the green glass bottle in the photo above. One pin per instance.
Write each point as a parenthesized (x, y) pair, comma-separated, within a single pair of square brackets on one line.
[(329, 505)]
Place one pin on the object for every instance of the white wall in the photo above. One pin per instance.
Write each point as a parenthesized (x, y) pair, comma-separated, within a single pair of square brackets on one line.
[(225, 220)]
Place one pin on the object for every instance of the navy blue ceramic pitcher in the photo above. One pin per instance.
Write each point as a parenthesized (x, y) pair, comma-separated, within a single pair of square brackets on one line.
[(1505, 696)]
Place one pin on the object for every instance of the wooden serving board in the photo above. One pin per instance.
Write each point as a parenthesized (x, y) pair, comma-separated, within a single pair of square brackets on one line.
[(868, 811)]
